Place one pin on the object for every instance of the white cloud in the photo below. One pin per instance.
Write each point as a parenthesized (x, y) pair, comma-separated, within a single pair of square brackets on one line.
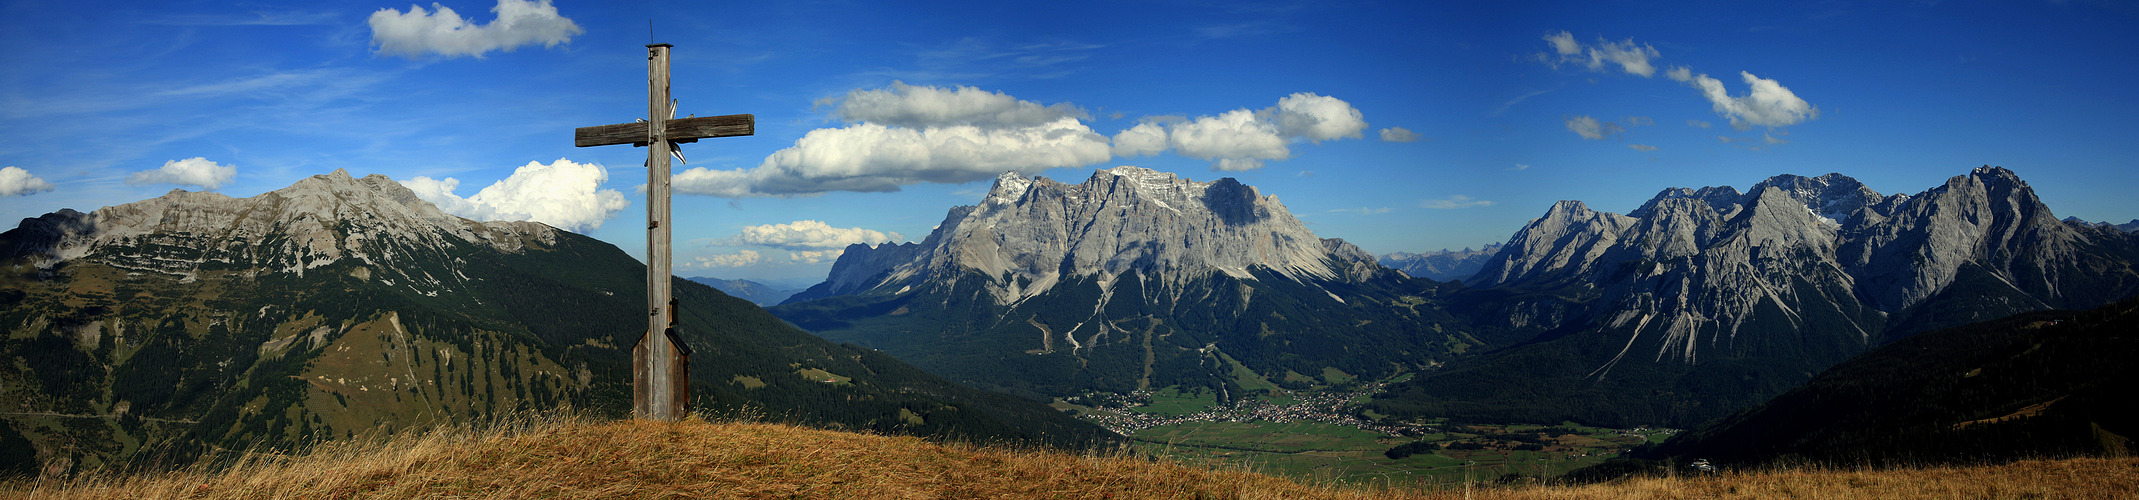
[(1564, 43), (1680, 73), (1631, 58), (738, 259), (1243, 139), (810, 234), (1237, 140), (1768, 104), (815, 256), (564, 194), (1635, 121), (1642, 147), (870, 157), (904, 105), (1697, 124), (926, 134), (1360, 210), (1144, 139), (18, 182), (1317, 117), (195, 171), (1520, 167), (1456, 201), (444, 32), (1590, 128), (1398, 134)]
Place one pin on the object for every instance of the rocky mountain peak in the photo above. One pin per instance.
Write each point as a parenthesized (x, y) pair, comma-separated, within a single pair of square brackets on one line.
[(314, 222), (1028, 234), (1693, 264)]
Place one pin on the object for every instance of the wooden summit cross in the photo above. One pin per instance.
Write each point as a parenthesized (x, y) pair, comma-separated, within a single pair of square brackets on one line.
[(660, 363)]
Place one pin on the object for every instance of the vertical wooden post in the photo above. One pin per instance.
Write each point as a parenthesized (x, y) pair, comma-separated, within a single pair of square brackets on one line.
[(661, 362), (658, 389)]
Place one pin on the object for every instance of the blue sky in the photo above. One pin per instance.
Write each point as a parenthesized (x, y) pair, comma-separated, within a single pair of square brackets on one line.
[(874, 118)]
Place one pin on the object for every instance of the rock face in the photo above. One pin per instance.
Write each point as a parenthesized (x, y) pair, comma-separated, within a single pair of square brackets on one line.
[(1067, 272), (1030, 234), (1444, 265), (1768, 285)]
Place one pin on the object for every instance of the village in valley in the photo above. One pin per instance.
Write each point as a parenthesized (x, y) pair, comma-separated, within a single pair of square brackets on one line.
[(1323, 433)]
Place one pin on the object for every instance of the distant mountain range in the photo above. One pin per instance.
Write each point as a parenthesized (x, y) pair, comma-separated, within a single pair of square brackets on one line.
[(1444, 265), (2125, 227), (1704, 301), (155, 331), (1134, 279), (755, 292)]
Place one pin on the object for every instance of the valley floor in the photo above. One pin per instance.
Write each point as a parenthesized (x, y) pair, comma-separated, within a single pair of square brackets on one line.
[(568, 458), (1318, 435)]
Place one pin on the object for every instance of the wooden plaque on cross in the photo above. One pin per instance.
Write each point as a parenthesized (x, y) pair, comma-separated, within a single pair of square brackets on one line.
[(660, 362)]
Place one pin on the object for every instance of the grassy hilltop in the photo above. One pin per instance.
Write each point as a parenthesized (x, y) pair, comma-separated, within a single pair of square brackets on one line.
[(575, 458)]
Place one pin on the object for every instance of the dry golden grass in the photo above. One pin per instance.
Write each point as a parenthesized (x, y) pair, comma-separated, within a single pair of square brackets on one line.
[(2069, 478), (572, 458), (579, 458)]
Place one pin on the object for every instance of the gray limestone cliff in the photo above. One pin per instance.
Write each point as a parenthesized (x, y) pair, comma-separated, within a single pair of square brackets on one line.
[(1027, 235)]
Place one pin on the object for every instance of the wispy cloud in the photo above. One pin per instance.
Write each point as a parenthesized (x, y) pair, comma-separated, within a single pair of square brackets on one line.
[(254, 18), (1455, 202), (1642, 147), (1590, 128), (1630, 57), (1360, 210), (1503, 108)]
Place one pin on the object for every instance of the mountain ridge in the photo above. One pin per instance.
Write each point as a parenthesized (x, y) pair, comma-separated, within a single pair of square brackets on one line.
[(1761, 288), (1134, 279)]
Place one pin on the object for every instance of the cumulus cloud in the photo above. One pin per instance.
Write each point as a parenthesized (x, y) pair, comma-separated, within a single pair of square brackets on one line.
[(442, 31), (1243, 139), (18, 182), (810, 235), (1317, 117), (1590, 128), (1767, 104), (1456, 201), (564, 194), (815, 256), (1630, 57), (738, 259), (1236, 140), (926, 134), (195, 171), (871, 157), (904, 105), (1398, 134), (1144, 139), (1642, 147)]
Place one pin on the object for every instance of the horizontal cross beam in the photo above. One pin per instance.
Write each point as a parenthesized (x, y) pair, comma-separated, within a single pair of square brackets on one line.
[(680, 130)]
